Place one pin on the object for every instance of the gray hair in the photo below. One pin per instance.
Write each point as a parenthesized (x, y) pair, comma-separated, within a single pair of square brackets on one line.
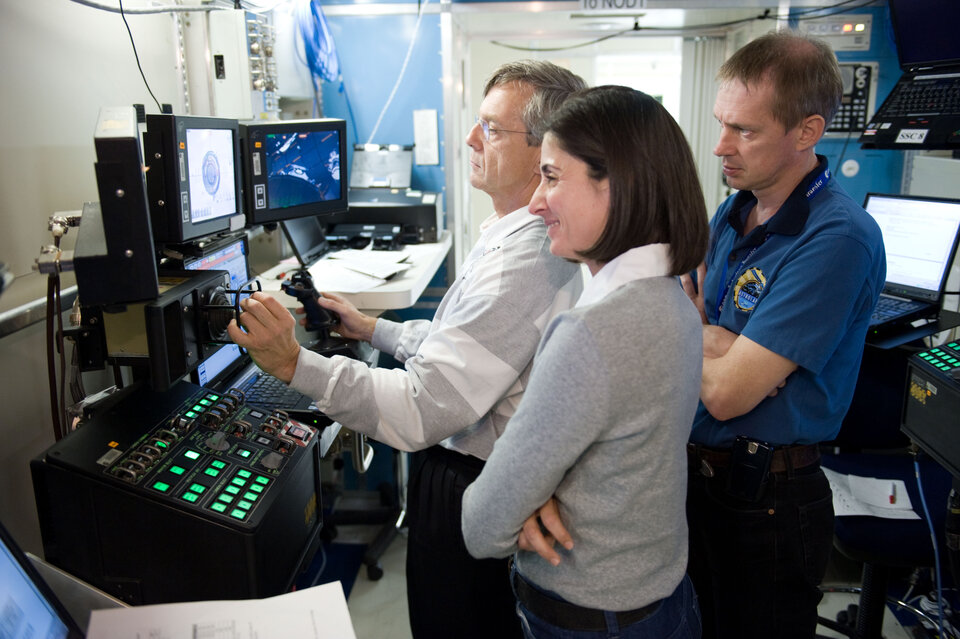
[(551, 85)]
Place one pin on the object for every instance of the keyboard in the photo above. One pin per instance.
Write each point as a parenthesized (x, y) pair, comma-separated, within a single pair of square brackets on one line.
[(940, 96), (889, 308), (269, 392)]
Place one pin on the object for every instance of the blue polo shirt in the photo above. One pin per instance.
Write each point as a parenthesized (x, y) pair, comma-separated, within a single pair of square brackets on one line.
[(802, 285)]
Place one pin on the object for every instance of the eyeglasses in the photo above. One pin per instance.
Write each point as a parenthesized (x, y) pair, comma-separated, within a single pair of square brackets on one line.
[(487, 129)]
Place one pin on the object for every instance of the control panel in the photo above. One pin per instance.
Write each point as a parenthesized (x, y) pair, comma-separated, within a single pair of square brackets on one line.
[(932, 403), (183, 495), (859, 97)]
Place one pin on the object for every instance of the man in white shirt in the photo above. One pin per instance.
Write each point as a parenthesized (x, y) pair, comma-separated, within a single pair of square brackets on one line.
[(464, 372)]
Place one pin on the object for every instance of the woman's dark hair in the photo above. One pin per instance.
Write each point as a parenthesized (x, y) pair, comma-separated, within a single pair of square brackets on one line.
[(655, 195)]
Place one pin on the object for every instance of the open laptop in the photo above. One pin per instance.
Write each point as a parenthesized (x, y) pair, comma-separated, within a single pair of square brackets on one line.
[(308, 239), (228, 367), (920, 236), (923, 109), (28, 607)]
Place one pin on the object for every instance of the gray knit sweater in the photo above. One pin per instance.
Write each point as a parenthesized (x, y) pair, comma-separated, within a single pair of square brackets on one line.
[(602, 426)]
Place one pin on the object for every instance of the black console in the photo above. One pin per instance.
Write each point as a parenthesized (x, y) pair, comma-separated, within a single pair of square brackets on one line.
[(180, 496)]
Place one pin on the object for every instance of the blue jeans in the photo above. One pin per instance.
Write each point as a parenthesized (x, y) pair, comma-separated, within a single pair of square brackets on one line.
[(678, 617), (757, 565)]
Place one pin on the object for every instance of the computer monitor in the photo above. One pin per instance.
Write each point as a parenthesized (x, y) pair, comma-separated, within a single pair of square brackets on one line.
[(294, 168), (193, 175)]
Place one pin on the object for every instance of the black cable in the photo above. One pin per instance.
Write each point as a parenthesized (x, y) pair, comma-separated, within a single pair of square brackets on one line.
[(52, 283), (65, 427), (137, 57)]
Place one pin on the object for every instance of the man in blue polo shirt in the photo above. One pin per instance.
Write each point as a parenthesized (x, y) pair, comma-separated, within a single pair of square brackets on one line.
[(794, 270)]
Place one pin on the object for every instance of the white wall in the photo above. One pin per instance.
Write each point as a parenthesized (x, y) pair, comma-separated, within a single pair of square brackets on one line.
[(63, 62)]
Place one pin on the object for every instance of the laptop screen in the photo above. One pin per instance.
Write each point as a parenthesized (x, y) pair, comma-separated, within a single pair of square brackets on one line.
[(27, 606), (231, 258), (307, 237), (920, 240), (926, 32)]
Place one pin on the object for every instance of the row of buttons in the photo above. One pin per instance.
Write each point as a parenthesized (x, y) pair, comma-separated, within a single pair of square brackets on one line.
[(944, 360), (244, 489)]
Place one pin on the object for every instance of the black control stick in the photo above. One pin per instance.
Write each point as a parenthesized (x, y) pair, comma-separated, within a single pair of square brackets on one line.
[(300, 286)]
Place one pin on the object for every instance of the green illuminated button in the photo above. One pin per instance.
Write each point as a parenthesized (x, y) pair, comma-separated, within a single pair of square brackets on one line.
[(197, 408), (236, 481), (212, 397), (218, 464), (243, 473), (161, 486), (197, 488), (213, 472), (160, 443), (217, 506), (243, 452), (250, 496), (205, 402), (191, 414), (227, 499), (191, 497), (177, 470), (239, 514), (192, 454), (257, 488), (262, 480), (246, 505), (233, 490)]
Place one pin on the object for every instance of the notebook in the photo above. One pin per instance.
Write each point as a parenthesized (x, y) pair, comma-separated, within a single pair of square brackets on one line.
[(920, 236), (923, 109), (28, 607), (228, 367)]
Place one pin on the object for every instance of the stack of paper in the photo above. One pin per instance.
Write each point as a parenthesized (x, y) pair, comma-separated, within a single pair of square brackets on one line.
[(855, 495)]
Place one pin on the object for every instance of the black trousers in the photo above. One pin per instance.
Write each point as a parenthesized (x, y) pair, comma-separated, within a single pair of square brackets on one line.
[(449, 593)]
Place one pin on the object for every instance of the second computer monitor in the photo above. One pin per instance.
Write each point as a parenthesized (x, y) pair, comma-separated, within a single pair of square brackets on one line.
[(294, 168)]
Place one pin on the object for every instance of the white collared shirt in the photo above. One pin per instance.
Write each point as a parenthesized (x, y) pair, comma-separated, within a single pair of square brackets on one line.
[(651, 260)]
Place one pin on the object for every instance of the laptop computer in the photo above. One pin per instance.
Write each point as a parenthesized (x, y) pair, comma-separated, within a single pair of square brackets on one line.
[(920, 236), (923, 109), (28, 606), (308, 239)]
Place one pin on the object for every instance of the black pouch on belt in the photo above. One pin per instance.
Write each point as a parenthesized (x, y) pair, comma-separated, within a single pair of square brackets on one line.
[(749, 468)]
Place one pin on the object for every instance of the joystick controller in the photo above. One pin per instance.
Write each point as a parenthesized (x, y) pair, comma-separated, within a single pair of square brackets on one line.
[(300, 286)]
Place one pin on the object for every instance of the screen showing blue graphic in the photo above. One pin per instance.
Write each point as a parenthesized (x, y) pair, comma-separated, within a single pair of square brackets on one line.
[(302, 168)]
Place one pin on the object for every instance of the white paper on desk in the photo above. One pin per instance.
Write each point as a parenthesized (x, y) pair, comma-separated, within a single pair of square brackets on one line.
[(856, 495), (328, 275), (382, 264), (314, 613)]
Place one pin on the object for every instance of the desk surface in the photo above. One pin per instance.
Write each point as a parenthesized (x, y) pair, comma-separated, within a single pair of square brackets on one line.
[(400, 291)]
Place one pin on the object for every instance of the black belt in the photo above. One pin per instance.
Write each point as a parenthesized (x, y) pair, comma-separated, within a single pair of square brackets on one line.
[(571, 616), (792, 457)]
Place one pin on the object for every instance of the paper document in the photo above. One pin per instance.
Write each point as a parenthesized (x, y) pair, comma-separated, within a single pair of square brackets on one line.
[(855, 495), (330, 276), (314, 613), (382, 264)]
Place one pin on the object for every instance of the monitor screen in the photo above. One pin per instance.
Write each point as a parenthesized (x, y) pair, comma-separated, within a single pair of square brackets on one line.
[(210, 171), (193, 176), (294, 168), (925, 31), (919, 238), (232, 258)]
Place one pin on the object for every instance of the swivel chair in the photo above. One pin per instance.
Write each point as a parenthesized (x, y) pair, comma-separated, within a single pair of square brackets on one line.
[(871, 444)]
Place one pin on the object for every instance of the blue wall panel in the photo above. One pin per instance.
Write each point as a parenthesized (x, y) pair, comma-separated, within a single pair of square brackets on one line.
[(372, 50), (880, 170)]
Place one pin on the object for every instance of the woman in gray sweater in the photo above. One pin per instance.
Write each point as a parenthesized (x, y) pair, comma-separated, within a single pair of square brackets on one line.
[(604, 422)]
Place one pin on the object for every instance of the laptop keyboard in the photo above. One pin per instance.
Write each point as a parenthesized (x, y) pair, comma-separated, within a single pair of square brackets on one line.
[(888, 308), (269, 392), (927, 97)]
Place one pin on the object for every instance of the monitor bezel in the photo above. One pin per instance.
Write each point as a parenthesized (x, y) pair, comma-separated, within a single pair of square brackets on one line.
[(164, 141), (251, 133)]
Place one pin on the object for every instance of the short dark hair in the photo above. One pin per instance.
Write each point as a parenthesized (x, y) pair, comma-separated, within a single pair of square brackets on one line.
[(655, 196), (551, 85), (803, 71)]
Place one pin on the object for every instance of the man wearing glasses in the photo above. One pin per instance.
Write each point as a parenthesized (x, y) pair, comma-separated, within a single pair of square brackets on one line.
[(464, 372)]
